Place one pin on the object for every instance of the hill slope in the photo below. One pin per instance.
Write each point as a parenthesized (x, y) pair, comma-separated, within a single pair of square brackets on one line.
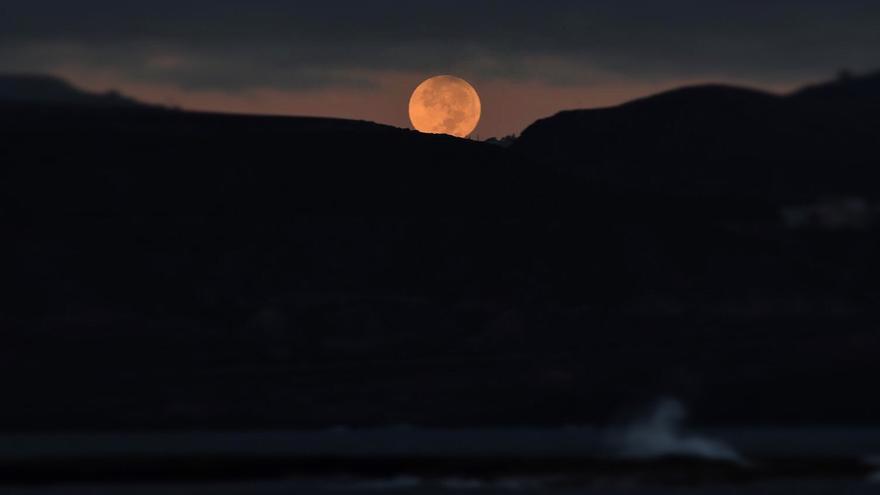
[(188, 270), (713, 140), (52, 90)]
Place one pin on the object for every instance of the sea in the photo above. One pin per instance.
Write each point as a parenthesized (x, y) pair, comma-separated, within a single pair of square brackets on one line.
[(655, 456)]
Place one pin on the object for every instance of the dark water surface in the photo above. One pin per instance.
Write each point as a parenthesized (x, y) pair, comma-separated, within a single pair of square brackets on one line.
[(646, 458)]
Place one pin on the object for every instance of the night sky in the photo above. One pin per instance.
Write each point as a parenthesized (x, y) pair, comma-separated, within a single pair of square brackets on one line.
[(361, 59)]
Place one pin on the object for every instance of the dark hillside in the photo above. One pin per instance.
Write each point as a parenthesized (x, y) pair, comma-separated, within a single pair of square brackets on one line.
[(172, 269), (715, 140)]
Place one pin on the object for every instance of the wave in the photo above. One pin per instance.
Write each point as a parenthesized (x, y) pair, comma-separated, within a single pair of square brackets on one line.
[(662, 434)]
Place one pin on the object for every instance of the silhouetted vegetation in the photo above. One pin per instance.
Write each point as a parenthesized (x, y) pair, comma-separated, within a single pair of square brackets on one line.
[(178, 269)]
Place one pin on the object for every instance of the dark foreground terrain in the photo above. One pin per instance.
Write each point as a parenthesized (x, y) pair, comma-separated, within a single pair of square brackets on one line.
[(407, 460), (164, 269)]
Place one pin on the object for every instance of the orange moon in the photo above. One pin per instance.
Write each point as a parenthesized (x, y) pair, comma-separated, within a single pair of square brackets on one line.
[(445, 105)]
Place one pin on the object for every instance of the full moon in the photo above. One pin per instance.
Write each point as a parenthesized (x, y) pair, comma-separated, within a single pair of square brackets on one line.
[(445, 105)]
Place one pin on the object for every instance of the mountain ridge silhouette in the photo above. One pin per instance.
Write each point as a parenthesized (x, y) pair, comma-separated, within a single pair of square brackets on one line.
[(170, 269), (716, 139), (39, 88)]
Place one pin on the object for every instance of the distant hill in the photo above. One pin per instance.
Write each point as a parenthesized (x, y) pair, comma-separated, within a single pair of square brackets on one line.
[(860, 90), (119, 156), (177, 269), (53, 90), (711, 140), (504, 142)]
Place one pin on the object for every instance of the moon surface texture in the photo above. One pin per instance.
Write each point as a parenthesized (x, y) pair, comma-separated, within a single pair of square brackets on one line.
[(445, 105)]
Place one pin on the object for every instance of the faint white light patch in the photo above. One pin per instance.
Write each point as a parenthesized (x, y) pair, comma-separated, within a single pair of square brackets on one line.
[(661, 434), (848, 213)]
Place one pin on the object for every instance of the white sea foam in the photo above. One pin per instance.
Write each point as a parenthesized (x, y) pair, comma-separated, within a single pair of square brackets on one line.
[(661, 434)]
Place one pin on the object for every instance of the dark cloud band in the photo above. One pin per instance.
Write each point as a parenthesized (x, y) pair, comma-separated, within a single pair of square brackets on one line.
[(227, 44)]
